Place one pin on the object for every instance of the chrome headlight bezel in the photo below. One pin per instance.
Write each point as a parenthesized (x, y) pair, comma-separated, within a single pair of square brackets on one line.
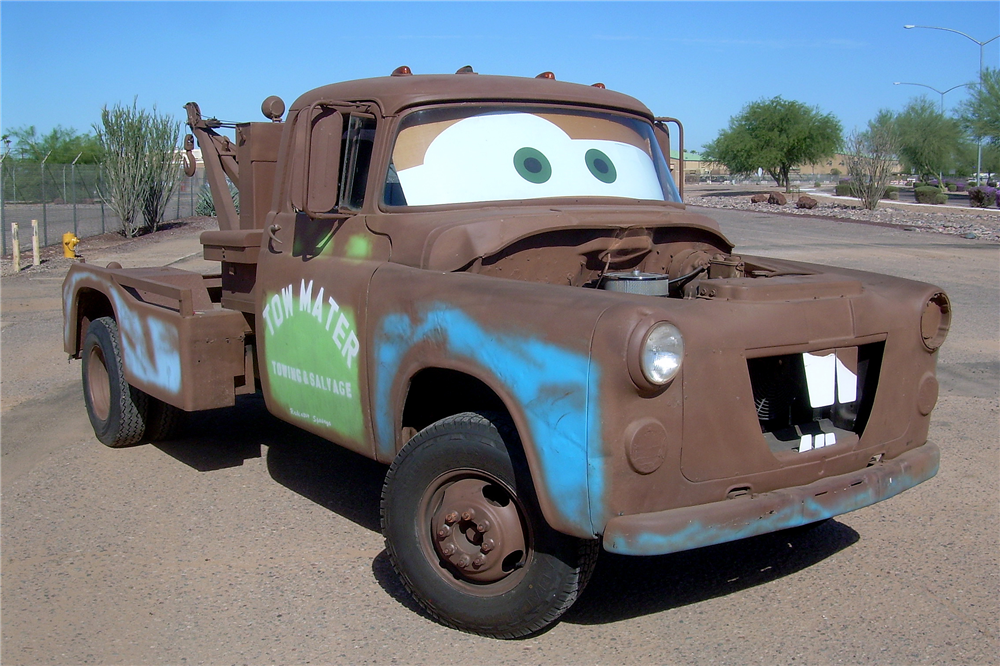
[(656, 354)]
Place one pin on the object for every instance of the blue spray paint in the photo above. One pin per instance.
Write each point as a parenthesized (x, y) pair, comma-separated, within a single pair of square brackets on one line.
[(775, 511), (150, 346), (555, 389)]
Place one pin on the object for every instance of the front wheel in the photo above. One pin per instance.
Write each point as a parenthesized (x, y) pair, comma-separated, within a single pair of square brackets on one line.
[(117, 410), (465, 535)]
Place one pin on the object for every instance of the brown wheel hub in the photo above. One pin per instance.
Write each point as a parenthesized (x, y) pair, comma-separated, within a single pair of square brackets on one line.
[(98, 383), (477, 530)]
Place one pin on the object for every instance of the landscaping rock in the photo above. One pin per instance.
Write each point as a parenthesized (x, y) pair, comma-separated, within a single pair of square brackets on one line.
[(806, 201), (777, 199), (759, 198), (984, 223)]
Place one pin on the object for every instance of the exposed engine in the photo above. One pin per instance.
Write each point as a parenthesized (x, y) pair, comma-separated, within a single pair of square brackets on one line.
[(685, 266)]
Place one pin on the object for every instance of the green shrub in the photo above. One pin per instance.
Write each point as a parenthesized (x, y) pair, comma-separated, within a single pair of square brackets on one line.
[(844, 189), (141, 168), (930, 195), (206, 204), (817, 184)]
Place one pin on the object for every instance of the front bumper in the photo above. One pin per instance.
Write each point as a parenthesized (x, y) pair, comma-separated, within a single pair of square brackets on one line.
[(674, 530)]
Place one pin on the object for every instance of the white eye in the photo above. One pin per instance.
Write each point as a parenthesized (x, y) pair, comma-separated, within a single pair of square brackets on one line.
[(662, 353)]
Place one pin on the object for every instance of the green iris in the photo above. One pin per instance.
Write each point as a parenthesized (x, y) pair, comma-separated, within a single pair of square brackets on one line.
[(601, 166), (532, 165)]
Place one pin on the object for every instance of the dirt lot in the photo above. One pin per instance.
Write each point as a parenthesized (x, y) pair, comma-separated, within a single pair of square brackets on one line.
[(252, 543)]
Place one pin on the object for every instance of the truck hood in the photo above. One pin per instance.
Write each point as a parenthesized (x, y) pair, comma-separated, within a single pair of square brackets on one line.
[(449, 240)]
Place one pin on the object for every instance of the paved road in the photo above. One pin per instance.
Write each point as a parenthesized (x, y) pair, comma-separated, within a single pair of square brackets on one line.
[(254, 543)]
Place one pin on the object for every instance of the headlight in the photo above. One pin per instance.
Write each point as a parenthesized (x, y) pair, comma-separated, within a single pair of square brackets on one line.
[(656, 355), (935, 321)]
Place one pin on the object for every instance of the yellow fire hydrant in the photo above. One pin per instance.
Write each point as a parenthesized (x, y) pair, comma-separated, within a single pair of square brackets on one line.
[(70, 241)]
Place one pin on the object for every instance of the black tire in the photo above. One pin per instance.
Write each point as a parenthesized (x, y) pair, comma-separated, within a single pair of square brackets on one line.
[(116, 409), (464, 532)]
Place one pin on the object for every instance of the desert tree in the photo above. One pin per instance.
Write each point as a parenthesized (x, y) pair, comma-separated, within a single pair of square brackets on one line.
[(59, 146), (871, 157), (929, 141), (775, 135), (980, 113), (142, 169)]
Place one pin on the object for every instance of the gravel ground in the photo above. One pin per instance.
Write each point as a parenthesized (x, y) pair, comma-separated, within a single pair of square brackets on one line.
[(982, 224)]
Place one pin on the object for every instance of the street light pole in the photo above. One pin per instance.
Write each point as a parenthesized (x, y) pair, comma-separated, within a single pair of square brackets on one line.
[(979, 140), (940, 92)]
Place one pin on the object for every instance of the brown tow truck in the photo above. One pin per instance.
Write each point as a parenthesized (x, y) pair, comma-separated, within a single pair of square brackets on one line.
[(492, 285)]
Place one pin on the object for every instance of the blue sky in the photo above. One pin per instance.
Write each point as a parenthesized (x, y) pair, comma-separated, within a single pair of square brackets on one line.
[(697, 61)]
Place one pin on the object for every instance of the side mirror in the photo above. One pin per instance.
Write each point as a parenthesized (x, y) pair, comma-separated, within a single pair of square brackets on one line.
[(316, 159)]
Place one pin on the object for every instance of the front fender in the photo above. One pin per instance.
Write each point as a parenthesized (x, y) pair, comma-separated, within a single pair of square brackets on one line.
[(530, 343)]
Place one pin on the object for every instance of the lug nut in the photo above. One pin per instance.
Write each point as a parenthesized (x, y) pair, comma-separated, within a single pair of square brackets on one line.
[(487, 546), (469, 514), (451, 518), (444, 531), (463, 562), (483, 526), (448, 550), (479, 561)]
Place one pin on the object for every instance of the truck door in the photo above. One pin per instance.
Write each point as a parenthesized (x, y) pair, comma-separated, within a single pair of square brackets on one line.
[(313, 274)]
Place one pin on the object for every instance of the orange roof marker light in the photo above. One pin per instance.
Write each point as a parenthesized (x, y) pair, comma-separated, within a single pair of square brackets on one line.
[(402, 70), (546, 75), (467, 70), (599, 85)]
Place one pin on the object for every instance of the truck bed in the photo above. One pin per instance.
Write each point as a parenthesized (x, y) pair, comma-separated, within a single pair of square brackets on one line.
[(179, 344)]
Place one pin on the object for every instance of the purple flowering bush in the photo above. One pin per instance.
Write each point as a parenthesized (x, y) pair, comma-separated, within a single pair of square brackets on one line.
[(982, 197)]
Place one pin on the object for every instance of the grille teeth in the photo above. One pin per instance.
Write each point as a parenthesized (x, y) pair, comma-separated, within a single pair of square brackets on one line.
[(784, 404)]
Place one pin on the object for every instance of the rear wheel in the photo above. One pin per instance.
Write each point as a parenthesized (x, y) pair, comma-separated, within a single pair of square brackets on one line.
[(116, 409), (465, 534), (164, 421)]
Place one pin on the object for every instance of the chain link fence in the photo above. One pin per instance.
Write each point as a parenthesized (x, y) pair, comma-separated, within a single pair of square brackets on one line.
[(66, 197)]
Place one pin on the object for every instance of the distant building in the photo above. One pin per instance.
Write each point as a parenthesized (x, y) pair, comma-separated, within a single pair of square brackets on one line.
[(698, 169)]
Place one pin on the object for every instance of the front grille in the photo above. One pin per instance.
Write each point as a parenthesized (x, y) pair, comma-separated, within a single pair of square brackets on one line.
[(814, 400)]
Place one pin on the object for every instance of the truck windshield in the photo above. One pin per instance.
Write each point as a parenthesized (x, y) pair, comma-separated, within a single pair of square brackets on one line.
[(447, 156)]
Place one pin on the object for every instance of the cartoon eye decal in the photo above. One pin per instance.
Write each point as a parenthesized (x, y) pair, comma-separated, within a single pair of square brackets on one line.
[(601, 166), (532, 165)]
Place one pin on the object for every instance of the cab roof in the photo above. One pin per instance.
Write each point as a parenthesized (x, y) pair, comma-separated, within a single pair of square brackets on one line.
[(396, 93)]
